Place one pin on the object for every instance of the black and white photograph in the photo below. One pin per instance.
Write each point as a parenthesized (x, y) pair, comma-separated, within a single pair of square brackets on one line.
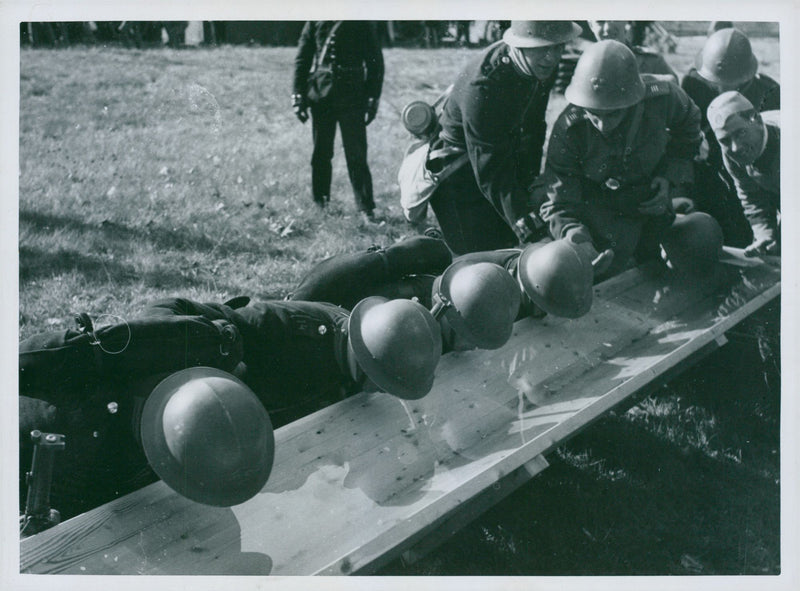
[(491, 303)]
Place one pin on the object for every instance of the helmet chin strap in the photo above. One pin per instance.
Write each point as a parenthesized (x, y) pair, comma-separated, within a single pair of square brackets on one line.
[(520, 63), (356, 372)]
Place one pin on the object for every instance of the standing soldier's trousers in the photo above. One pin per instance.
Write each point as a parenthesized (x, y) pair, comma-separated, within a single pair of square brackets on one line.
[(350, 117)]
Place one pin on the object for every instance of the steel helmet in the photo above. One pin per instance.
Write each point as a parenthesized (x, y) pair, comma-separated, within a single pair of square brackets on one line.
[(479, 300), (397, 343), (208, 437), (693, 243), (727, 59), (606, 78), (540, 33), (557, 277)]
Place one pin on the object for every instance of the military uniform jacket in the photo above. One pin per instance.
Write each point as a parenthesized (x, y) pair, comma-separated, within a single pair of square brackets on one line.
[(353, 55), (762, 91), (651, 62), (758, 186), (291, 349), (497, 115), (583, 165)]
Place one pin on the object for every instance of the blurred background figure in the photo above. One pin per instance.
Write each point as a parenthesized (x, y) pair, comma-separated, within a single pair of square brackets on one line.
[(649, 60)]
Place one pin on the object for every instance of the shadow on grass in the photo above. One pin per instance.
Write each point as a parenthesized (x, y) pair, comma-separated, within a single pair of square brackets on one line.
[(112, 233), (36, 263)]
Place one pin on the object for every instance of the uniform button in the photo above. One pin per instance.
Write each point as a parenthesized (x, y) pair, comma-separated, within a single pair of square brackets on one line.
[(505, 59), (112, 407), (322, 329)]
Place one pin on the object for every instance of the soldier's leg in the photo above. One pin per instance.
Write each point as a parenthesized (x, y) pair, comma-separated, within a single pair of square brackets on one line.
[(323, 128), (354, 140), (713, 194), (468, 221), (346, 279)]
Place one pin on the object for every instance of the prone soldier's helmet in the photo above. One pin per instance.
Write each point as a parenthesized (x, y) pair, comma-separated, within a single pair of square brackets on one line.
[(557, 277), (524, 34), (480, 301), (727, 59), (606, 78), (693, 243), (397, 343), (208, 437)]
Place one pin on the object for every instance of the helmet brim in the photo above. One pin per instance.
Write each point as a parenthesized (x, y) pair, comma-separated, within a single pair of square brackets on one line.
[(518, 41), (413, 388), (629, 99), (221, 492)]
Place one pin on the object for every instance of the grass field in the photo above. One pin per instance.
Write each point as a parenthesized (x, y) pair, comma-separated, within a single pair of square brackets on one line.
[(149, 173)]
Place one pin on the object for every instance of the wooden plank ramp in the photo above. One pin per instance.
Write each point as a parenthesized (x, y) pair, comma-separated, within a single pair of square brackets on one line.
[(371, 478)]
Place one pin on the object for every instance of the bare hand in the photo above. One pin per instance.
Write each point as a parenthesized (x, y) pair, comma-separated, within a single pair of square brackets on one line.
[(762, 246)]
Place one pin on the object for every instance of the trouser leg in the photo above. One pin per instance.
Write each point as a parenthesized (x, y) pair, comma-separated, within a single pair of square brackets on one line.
[(323, 129), (354, 140), (468, 221), (346, 279), (714, 194)]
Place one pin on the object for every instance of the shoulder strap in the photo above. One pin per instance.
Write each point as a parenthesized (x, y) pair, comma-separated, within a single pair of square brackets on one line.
[(320, 56)]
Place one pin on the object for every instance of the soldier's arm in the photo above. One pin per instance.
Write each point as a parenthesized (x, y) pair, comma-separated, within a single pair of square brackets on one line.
[(489, 120), (306, 48), (373, 59), (683, 122), (563, 209), (759, 209)]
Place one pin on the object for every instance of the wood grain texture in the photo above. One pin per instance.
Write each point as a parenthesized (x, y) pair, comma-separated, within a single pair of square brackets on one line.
[(359, 482)]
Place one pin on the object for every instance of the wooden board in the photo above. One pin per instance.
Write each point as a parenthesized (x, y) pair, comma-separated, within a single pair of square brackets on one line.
[(358, 483)]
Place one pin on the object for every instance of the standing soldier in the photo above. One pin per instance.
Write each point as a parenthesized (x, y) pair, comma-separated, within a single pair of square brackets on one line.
[(725, 63), (496, 114), (617, 155), (339, 75)]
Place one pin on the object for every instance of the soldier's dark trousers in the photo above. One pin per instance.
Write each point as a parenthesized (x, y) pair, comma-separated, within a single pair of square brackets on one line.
[(469, 222), (634, 237), (715, 195), (350, 117), (393, 272)]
